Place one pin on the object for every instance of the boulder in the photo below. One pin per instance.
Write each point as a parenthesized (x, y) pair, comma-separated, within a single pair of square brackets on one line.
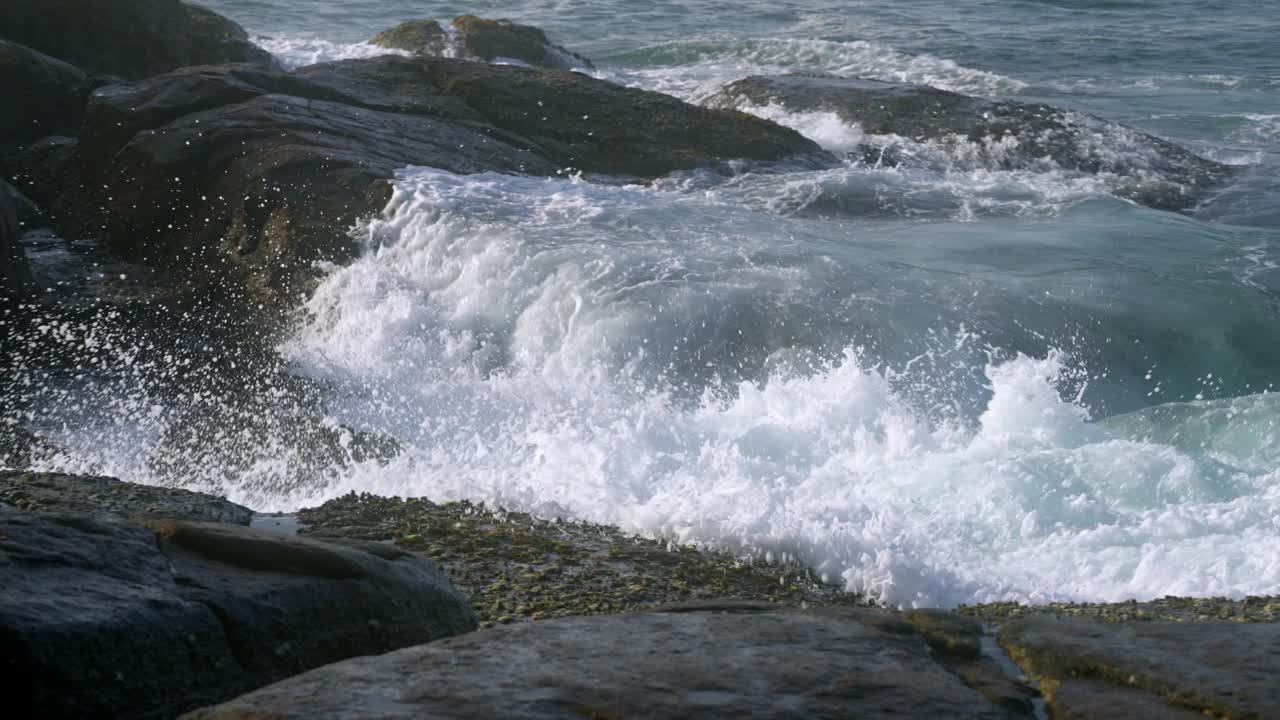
[(1152, 669), (246, 177), (503, 40), (993, 134), (705, 661), (132, 39), (43, 95), (104, 618), (424, 37)]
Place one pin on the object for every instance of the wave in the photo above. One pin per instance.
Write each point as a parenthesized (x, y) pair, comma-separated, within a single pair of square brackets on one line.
[(695, 69)]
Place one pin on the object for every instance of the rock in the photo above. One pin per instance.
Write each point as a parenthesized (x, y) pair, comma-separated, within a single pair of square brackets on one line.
[(246, 177), (48, 171), (132, 40), (42, 95), (1152, 669), (102, 618), (996, 134), (424, 37), (15, 276), (90, 495), (491, 40), (816, 664)]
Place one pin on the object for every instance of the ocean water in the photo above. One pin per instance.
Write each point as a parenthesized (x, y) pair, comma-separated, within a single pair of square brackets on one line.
[(936, 382)]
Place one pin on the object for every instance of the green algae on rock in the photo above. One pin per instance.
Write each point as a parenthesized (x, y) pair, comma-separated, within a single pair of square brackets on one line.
[(1178, 609), (513, 566)]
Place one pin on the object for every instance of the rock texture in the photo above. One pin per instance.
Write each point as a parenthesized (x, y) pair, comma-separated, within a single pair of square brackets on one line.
[(105, 618), (731, 661), (41, 96), (246, 177), (132, 39), (91, 495), (424, 37), (995, 133), (1154, 669)]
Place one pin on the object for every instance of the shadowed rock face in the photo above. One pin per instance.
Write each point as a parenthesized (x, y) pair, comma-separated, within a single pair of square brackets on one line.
[(41, 95), (105, 618), (131, 39), (709, 661), (995, 134), (14, 274), (245, 177)]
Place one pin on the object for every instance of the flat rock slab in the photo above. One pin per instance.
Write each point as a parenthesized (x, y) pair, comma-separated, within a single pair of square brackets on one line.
[(744, 663), (1154, 669), (57, 492), (105, 618)]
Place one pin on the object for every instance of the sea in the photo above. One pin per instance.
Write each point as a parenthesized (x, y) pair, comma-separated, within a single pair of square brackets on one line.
[(935, 382)]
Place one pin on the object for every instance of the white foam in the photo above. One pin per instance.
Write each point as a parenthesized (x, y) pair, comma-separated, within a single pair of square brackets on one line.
[(705, 66), (501, 328), (298, 51)]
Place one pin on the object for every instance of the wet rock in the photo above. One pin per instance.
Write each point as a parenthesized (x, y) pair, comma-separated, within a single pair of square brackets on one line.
[(92, 495), (818, 664), (547, 569), (48, 171), (135, 39), (246, 178), (491, 40), (424, 37), (15, 276), (41, 96), (999, 134), (102, 618), (1152, 669)]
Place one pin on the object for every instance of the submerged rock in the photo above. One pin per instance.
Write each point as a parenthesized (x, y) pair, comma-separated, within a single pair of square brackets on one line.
[(706, 661), (424, 37), (41, 96), (104, 618), (950, 129), (247, 177), (132, 39), (491, 40)]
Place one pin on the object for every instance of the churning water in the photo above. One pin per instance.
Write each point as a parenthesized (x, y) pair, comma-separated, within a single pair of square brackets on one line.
[(939, 380)]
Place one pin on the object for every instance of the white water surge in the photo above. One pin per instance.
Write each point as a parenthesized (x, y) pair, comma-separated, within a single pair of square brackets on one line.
[(546, 345)]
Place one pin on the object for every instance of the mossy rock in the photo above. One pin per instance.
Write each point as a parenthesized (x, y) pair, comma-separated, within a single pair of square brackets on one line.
[(423, 37), (492, 39), (515, 567)]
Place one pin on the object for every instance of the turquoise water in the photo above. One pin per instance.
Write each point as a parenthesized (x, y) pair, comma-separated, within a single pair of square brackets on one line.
[(938, 382)]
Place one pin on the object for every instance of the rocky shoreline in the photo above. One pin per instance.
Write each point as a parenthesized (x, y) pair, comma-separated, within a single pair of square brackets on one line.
[(569, 619), (207, 187)]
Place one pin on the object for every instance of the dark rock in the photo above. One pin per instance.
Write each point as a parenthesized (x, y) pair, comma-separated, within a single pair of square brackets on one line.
[(1153, 669), (42, 95), (817, 664), (424, 37), (48, 171), (245, 177), (15, 276), (491, 40), (132, 39), (103, 618), (61, 493), (995, 133)]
